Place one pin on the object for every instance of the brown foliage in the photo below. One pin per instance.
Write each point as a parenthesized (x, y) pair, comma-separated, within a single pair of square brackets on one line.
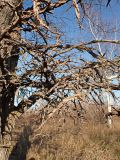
[(59, 139)]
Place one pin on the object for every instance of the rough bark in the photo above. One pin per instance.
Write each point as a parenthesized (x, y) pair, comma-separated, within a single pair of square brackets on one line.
[(8, 62)]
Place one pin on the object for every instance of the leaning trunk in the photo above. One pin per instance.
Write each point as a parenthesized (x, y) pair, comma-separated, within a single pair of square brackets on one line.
[(8, 62)]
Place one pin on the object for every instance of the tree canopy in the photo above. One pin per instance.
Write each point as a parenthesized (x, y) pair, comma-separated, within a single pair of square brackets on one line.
[(41, 60)]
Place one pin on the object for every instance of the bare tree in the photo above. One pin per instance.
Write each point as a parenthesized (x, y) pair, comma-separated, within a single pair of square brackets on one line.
[(36, 64)]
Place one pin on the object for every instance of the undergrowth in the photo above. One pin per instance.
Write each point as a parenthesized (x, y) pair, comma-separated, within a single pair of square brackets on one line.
[(91, 140)]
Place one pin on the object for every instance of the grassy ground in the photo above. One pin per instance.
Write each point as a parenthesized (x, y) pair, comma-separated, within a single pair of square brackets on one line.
[(63, 139)]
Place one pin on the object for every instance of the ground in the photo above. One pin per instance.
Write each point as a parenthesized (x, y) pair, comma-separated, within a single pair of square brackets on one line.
[(67, 139)]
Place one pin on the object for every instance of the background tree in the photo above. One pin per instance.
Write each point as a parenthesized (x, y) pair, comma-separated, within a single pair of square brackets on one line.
[(36, 63)]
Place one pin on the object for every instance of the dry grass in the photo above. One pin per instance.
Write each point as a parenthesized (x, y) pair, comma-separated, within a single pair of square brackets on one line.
[(92, 140)]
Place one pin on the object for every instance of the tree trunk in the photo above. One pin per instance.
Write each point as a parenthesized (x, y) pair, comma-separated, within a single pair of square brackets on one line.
[(8, 61), (109, 112)]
